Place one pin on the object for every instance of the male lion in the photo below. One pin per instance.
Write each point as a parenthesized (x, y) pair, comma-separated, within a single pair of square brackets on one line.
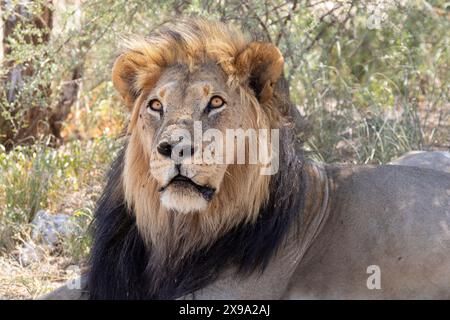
[(170, 228)]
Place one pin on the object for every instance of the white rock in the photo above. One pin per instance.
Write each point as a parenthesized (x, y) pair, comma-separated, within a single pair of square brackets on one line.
[(436, 160), (29, 252), (51, 227)]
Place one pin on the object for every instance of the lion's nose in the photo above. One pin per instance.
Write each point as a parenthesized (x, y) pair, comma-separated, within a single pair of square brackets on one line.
[(183, 151), (165, 149)]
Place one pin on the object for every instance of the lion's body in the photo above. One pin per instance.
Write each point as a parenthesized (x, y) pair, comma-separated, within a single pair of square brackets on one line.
[(170, 228), (394, 217)]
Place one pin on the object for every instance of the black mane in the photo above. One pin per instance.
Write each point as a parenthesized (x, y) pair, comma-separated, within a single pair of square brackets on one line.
[(122, 266)]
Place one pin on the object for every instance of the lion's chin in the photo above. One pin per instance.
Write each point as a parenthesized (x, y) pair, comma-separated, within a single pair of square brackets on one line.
[(183, 201)]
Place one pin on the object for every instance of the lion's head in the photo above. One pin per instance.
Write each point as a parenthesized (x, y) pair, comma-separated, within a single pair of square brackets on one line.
[(189, 73)]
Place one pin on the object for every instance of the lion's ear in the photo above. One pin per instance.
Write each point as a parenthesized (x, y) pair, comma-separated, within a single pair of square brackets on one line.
[(263, 64), (125, 76)]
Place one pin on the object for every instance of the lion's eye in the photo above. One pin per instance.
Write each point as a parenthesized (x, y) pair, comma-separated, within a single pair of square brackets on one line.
[(155, 105), (216, 102)]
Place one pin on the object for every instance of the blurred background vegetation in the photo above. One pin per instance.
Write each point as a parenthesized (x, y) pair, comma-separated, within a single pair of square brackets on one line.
[(371, 79)]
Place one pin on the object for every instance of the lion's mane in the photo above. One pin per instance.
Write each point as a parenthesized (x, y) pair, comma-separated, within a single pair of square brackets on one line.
[(135, 254)]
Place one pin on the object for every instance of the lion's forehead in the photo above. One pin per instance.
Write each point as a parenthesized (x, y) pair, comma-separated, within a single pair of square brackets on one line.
[(199, 80), (188, 93)]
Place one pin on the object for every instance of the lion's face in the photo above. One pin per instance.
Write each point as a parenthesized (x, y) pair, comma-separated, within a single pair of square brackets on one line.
[(189, 79), (181, 102)]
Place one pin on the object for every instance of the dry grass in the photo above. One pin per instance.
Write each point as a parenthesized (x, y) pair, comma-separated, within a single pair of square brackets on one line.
[(66, 180), (32, 281)]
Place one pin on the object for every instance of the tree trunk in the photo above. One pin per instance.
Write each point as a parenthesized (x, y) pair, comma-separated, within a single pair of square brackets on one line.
[(31, 117), (27, 120)]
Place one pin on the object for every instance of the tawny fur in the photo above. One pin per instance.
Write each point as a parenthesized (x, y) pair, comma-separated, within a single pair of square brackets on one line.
[(243, 191)]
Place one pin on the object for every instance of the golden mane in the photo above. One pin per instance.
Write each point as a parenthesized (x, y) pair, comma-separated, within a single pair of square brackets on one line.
[(188, 42), (244, 191)]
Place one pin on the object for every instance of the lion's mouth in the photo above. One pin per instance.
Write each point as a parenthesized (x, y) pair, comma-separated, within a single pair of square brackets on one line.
[(184, 182)]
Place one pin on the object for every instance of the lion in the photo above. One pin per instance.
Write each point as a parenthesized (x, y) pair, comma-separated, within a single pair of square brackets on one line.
[(168, 227)]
